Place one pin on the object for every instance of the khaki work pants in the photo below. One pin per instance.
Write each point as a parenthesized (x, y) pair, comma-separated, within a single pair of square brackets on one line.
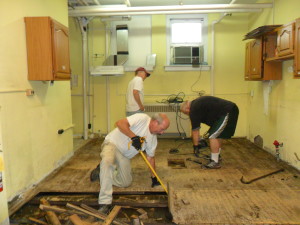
[(115, 169)]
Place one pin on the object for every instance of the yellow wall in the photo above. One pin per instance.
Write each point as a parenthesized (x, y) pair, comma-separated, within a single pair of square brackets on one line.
[(229, 67), (282, 122), (31, 146)]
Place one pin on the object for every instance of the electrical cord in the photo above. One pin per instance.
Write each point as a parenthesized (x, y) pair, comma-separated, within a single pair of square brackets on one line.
[(202, 92), (173, 98), (174, 101)]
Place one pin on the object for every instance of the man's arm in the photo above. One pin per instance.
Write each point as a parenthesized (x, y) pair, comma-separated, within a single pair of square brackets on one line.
[(151, 160), (124, 127), (137, 98), (195, 136)]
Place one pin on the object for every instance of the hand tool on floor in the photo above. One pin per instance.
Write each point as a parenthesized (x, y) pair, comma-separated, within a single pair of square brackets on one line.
[(261, 177), (189, 159)]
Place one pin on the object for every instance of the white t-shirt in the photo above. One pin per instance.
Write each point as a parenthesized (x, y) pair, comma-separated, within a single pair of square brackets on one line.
[(139, 124), (135, 84)]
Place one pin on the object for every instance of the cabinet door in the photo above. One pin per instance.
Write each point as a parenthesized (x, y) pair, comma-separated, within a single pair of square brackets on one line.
[(61, 56), (39, 49), (247, 61), (269, 45), (297, 50), (256, 59), (285, 40)]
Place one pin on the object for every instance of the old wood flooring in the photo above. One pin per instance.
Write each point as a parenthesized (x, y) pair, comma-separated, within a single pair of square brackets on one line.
[(198, 195)]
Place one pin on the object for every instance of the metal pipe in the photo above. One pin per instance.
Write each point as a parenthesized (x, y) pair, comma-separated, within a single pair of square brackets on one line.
[(97, 2), (84, 75), (77, 13), (173, 8), (127, 2), (12, 91), (107, 47), (82, 2), (119, 18)]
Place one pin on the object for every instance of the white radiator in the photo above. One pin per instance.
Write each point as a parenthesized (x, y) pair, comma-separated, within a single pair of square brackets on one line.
[(179, 123)]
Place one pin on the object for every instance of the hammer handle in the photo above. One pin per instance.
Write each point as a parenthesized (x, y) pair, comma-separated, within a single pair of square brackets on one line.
[(153, 171)]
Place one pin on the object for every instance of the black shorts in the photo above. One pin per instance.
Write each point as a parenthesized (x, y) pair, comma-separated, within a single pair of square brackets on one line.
[(224, 127)]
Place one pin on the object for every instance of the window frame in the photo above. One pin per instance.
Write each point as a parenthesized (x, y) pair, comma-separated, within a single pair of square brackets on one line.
[(182, 17)]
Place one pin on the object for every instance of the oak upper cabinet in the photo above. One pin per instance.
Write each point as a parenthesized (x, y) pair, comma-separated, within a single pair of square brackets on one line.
[(256, 68), (47, 49), (256, 59), (297, 49), (285, 40)]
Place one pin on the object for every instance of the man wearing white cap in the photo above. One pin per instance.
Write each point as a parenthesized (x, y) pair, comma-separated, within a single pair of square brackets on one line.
[(135, 92)]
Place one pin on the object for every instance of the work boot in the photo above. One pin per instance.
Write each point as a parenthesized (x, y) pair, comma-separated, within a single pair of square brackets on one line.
[(213, 165), (95, 174), (105, 208)]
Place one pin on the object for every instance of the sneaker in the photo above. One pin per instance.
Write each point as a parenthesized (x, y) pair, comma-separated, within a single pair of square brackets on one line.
[(213, 165), (105, 208), (95, 174)]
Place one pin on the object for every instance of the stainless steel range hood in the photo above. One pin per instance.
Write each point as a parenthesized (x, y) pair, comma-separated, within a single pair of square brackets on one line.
[(113, 65)]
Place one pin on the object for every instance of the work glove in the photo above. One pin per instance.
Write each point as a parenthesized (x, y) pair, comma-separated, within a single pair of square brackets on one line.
[(137, 142), (196, 150), (154, 182)]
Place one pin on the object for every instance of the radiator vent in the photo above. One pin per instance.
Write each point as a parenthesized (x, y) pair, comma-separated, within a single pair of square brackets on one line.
[(179, 123), (162, 108)]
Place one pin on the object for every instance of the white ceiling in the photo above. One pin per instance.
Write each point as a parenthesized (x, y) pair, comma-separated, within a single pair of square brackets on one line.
[(144, 3)]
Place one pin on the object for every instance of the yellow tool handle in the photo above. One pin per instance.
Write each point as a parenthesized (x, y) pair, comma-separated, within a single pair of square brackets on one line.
[(153, 171)]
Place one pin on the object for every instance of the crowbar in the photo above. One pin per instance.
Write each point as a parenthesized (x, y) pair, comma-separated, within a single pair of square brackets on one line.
[(189, 159), (258, 178), (153, 171)]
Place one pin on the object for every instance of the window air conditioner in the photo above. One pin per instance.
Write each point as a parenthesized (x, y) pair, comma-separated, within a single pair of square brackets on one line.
[(187, 55)]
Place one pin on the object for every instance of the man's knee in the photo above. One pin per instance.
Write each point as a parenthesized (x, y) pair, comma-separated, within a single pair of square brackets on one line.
[(127, 182)]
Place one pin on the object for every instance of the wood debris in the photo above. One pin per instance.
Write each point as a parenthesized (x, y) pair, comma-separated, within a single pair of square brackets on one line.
[(76, 215)]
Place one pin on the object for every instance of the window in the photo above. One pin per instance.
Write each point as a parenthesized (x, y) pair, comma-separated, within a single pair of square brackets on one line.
[(186, 40)]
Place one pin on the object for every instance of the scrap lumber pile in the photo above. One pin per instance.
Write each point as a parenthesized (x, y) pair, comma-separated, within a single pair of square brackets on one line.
[(83, 215), (86, 215)]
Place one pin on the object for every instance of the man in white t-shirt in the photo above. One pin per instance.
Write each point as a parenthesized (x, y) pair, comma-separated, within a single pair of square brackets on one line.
[(135, 92), (134, 133)]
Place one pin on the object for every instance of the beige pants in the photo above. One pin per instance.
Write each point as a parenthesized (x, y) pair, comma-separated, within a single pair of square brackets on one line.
[(115, 169)]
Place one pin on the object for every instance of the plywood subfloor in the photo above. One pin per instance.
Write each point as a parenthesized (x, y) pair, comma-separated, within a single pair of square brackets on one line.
[(199, 195)]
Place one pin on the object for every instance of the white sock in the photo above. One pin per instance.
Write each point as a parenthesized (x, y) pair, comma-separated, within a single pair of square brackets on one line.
[(215, 157)]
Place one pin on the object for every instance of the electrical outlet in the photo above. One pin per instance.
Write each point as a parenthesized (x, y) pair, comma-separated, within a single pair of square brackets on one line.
[(29, 92)]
